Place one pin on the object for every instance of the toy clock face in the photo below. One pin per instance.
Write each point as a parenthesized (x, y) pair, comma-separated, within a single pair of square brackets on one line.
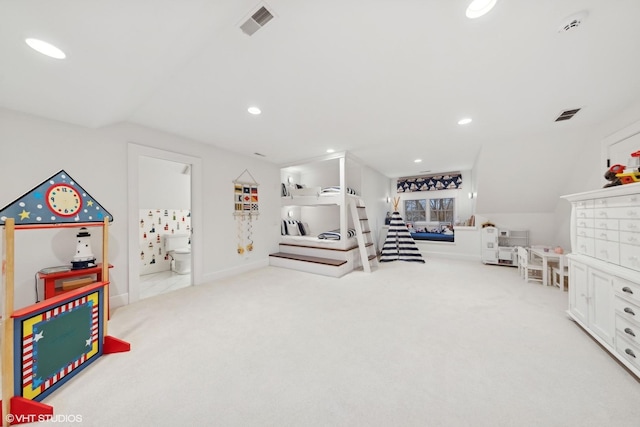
[(64, 200)]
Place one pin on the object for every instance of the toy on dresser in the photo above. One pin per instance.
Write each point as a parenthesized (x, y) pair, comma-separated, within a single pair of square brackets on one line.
[(619, 174)]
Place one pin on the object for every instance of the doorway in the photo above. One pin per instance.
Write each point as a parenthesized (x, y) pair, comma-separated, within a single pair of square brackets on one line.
[(164, 202), (163, 249)]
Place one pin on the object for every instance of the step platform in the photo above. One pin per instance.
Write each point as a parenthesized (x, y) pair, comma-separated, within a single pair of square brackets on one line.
[(311, 264)]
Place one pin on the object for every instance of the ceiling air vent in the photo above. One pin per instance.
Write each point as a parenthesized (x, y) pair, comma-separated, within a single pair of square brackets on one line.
[(257, 21), (566, 115), (573, 21)]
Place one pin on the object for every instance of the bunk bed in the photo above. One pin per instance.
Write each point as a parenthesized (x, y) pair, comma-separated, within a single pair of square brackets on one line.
[(316, 218)]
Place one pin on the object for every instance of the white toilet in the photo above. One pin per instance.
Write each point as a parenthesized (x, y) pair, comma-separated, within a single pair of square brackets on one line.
[(178, 247)]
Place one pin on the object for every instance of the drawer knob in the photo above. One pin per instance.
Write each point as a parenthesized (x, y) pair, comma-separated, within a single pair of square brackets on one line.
[(629, 311), (629, 331), (627, 290), (633, 239), (633, 213), (630, 353)]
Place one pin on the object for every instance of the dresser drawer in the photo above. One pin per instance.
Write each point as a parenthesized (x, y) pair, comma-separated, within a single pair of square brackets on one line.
[(630, 256), (626, 212), (585, 232), (629, 200), (630, 225), (630, 238), (607, 251), (584, 213), (609, 235), (607, 224), (628, 290), (585, 246), (627, 350), (626, 309), (584, 204), (629, 330), (584, 223)]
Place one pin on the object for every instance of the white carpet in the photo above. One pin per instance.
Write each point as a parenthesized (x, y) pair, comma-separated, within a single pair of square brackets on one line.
[(446, 343)]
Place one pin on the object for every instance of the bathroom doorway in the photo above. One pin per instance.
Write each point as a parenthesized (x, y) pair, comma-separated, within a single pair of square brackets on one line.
[(162, 245), (164, 199)]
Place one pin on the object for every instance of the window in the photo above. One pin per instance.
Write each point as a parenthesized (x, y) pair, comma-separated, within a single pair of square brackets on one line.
[(415, 210), (441, 210)]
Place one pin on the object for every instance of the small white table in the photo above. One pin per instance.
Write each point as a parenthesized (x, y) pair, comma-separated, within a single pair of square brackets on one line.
[(546, 256)]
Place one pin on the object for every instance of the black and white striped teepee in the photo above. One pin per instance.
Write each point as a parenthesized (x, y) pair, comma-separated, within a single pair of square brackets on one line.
[(399, 245)]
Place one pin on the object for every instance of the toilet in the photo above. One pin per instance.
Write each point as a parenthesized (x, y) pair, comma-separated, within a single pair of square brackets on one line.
[(179, 248)]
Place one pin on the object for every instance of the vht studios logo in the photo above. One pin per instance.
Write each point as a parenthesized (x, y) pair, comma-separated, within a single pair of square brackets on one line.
[(33, 418)]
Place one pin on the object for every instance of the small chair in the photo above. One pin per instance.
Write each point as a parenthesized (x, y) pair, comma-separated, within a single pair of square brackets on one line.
[(555, 275), (519, 263), (530, 270)]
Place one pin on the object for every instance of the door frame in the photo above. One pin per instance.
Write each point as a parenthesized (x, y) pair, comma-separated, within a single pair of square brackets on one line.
[(135, 151)]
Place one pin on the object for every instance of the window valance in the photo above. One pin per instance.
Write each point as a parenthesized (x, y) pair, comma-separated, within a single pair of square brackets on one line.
[(448, 181)]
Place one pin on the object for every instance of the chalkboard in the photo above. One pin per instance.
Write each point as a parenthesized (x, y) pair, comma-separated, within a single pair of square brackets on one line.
[(64, 338), (55, 341)]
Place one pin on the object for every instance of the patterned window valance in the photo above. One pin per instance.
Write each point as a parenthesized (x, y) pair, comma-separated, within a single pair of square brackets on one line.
[(448, 181)]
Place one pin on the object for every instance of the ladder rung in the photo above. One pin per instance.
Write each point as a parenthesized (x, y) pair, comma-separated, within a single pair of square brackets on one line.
[(372, 257)]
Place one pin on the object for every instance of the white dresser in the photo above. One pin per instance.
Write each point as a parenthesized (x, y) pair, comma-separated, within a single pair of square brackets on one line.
[(604, 269)]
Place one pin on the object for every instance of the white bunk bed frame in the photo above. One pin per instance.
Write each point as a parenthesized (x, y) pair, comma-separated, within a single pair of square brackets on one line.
[(346, 248)]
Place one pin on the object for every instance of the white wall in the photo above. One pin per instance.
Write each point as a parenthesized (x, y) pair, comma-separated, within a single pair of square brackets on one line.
[(34, 149), (519, 184), (163, 184)]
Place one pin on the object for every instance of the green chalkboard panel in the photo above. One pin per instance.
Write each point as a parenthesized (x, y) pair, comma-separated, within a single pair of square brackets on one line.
[(64, 338), (54, 341)]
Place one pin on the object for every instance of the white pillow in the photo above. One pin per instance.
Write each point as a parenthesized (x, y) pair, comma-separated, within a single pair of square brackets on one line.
[(292, 229)]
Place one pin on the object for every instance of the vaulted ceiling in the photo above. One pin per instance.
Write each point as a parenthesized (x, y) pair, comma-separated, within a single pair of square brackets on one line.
[(385, 80)]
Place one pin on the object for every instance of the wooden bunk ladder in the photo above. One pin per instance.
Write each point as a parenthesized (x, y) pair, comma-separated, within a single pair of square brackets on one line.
[(363, 235)]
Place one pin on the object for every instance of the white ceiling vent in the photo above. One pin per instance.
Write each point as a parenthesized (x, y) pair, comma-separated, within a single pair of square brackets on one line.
[(257, 21), (573, 21), (566, 115)]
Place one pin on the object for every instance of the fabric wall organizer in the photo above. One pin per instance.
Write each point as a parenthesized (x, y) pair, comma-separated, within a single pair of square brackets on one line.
[(245, 209)]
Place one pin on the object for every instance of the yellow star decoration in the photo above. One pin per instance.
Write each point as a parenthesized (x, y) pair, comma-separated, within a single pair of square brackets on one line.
[(90, 203), (24, 214)]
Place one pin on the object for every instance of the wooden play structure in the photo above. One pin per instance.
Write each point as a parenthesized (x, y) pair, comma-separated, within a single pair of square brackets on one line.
[(47, 343)]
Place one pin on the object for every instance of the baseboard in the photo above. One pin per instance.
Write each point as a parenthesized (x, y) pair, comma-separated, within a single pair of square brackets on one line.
[(118, 300), (449, 255)]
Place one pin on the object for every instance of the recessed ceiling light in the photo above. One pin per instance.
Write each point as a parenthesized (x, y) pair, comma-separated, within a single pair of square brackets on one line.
[(45, 48), (465, 121), (477, 8), (254, 110), (417, 161), (331, 150)]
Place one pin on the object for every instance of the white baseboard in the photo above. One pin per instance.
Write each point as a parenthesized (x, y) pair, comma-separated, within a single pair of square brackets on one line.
[(449, 255), (118, 300)]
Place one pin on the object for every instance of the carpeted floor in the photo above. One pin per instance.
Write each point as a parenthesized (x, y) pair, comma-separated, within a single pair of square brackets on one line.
[(446, 343)]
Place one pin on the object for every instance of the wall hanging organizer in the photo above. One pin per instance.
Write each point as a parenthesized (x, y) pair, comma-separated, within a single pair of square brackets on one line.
[(245, 209)]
